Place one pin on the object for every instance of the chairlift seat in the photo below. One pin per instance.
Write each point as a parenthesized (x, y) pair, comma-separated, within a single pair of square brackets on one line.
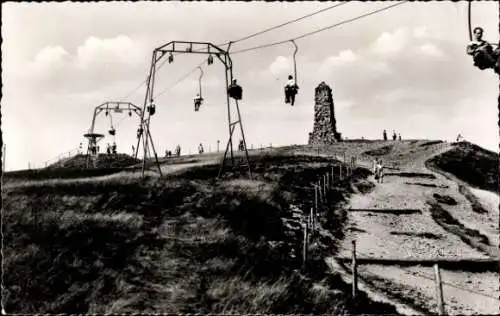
[(235, 91), (151, 109), (483, 60)]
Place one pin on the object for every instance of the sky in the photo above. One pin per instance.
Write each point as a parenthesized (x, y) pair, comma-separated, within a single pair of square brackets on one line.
[(402, 69)]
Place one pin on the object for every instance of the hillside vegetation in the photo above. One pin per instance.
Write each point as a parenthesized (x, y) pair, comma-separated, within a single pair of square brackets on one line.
[(182, 244), (470, 163)]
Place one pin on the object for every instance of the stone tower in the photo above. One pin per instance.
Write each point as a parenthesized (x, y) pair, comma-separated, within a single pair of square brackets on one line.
[(324, 129)]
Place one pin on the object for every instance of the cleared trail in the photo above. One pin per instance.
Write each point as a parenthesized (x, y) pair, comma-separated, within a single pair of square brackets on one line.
[(433, 220)]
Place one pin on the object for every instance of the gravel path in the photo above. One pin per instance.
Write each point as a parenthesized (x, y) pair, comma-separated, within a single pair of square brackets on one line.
[(421, 236)]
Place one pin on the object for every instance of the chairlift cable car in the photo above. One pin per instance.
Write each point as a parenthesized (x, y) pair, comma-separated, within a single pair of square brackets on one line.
[(291, 90), (484, 56), (199, 98), (112, 130)]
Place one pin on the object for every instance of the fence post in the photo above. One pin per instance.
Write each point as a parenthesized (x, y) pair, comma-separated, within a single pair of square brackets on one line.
[(324, 186), (319, 191), (354, 267), (332, 176), (304, 248), (315, 198), (340, 176), (439, 290), (311, 216)]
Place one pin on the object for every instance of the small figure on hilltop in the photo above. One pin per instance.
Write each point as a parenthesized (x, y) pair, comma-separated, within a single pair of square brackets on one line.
[(385, 134), (113, 148), (178, 150), (459, 138), (108, 148), (200, 149), (399, 136), (394, 136), (133, 150), (290, 90), (241, 146), (482, 52), (379, 171)]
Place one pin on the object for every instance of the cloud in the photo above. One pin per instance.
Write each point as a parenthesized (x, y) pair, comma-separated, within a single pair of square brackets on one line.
[(431, 50), (392, 43), (344, 58), (281, 65), (50, 56), (97, 51)]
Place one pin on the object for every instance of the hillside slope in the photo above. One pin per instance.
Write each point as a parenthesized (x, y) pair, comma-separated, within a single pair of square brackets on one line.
[(470, 163), (418, 214), (184, 244)]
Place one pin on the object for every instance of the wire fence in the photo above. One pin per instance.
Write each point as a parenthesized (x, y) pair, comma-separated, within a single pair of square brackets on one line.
[(327, 182)]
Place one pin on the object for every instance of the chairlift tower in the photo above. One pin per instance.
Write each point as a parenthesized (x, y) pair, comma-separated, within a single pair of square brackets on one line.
[(108, 107), (184, 47)]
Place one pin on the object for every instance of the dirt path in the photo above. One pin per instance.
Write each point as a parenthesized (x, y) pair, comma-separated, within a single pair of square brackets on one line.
[(446, 228)]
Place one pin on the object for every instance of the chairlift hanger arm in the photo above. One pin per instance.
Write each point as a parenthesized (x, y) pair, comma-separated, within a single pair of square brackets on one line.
[(199, 79), (295, 61), (469, 19)]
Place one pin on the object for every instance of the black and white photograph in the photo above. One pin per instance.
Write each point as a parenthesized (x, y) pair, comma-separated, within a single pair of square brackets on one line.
[(250, 157)]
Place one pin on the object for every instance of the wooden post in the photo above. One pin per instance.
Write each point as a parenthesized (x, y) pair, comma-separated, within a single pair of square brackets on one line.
[(332, 176), (304, 248), (311, 217), (316, 199), (344, 157), (325, 183), (439, 290), (319, 191), (340, 176), (354, 268), (327, 177)]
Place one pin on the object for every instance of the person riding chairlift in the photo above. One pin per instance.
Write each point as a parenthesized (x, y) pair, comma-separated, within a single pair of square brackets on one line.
[(197, 102), (482, 52), (290, 90), (235, 91)]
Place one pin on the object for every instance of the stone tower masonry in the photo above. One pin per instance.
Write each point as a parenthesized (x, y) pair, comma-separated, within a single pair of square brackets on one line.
[(324, 129)]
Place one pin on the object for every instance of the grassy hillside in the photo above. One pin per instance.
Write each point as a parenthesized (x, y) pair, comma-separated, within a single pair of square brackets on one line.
[(183, 244), (470, 163), (73, 167)]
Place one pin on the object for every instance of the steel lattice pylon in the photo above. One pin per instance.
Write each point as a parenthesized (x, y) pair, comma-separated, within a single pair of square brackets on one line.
[(183, 47), (109, 106)]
